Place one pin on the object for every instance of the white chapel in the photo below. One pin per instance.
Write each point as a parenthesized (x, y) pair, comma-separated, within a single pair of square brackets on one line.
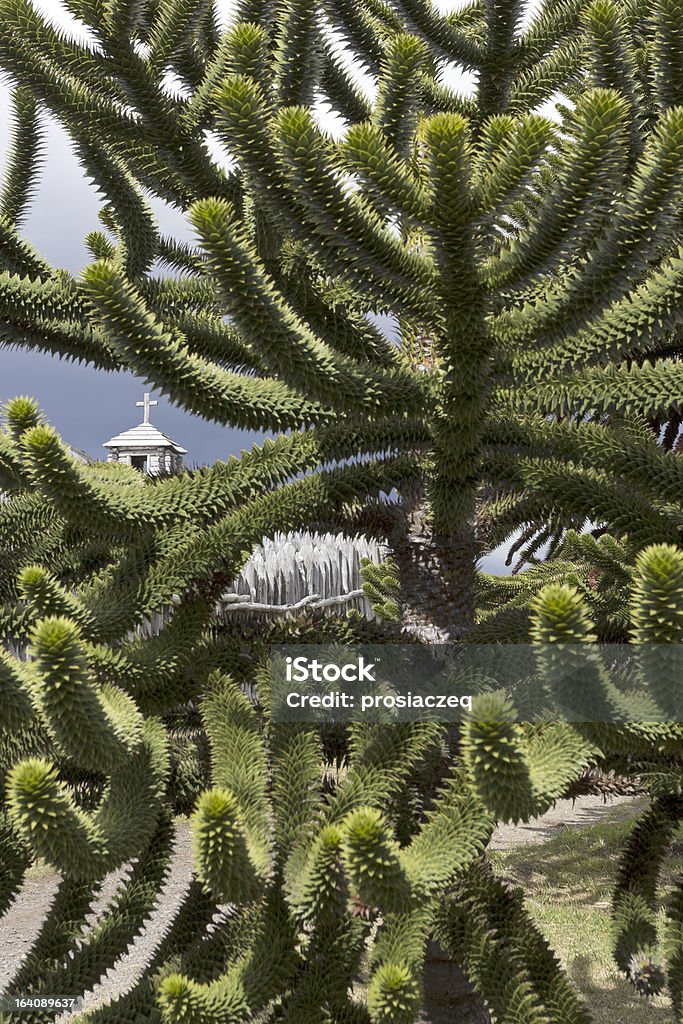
[(145, 447)]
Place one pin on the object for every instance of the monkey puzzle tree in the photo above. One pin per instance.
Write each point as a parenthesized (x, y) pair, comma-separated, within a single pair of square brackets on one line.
[(89, 555), (328, 883), (531, 268)]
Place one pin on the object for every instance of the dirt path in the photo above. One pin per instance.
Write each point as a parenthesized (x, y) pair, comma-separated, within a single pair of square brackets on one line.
[(585, 810), (20, 925)]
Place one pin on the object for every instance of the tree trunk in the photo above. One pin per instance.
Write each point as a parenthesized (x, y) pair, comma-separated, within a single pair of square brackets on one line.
[(448, 995), (437, 603), (437, 573)]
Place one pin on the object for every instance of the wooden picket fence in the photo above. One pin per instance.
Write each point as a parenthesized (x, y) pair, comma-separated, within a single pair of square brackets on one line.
[(293, 571)]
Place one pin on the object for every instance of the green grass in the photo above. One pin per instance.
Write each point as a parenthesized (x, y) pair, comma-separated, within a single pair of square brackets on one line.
[(39, 869), (568, 882)]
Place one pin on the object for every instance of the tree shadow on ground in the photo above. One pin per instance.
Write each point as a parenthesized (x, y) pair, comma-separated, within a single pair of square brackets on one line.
[(579, 864), (612, 999)]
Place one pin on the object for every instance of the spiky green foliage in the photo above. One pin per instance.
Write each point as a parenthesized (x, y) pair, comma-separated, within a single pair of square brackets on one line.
[(337, 880), (533, 273), (115, 611), (520, 769), (381, 584), (340, 856), (601, 569), (532, 267), (485, 924)]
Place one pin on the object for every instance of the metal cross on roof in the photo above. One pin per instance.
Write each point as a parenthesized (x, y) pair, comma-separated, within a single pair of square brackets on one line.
[(146, 405)]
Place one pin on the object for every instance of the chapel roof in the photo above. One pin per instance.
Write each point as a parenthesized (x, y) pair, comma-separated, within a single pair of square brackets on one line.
[(145, 435)]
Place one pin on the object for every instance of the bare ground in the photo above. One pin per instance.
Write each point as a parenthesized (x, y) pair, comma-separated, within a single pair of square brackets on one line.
[(585, 810)]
